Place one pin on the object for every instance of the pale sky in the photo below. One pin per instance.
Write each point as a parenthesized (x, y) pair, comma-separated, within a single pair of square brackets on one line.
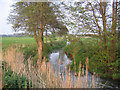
[(6, 28), (5, 9)]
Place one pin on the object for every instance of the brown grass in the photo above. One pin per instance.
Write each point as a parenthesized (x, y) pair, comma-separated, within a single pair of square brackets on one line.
[(44, 76), (15, 60), (0, 62), (0, 74)]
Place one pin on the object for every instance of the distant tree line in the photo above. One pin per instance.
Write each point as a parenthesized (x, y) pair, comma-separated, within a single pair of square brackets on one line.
[(14, 35)]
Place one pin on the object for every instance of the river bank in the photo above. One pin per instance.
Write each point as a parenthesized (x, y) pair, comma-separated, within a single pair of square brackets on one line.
[(59, 60), (79, 49)]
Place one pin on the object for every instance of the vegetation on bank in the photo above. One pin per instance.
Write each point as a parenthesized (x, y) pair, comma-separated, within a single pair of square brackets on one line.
[(37, 19), (24, 41), (81, 48), (28, 46), (11, 79), (31, 51), (43, 77)]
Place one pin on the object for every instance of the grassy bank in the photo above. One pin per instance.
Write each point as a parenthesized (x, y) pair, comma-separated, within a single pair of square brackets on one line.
[(81, 48), (17, 73), (31, 50), (23, 41), (42, 77), (28, 46)]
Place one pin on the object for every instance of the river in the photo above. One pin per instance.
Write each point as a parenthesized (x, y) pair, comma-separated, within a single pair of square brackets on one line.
[(59, 62)]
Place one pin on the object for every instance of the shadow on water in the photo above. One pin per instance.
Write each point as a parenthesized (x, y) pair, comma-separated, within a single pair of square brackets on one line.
[(59, 61)]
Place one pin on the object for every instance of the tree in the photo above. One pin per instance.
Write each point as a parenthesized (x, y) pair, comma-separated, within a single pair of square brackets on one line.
[(97, 17), (33, 18), (119, 28), (102, 8), (86, 18), (114, 26), (119, 19)]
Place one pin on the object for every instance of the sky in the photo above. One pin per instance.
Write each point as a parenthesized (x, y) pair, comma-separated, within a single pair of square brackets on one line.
[(5, 10), (5, 6)]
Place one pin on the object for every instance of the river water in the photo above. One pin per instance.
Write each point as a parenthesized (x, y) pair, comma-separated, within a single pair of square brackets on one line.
[(59, 62)]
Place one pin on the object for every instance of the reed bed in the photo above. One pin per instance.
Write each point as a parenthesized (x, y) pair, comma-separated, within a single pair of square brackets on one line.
[(0, 63), (0, 73), (38, 76), (79, 80), (46, 75)]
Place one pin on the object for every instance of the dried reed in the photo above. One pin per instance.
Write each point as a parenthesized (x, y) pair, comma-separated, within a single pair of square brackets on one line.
[(45, 76), (38, 76)]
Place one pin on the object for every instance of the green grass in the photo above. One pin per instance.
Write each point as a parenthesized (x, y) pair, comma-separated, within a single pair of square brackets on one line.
[(9, 41), (30, 47)]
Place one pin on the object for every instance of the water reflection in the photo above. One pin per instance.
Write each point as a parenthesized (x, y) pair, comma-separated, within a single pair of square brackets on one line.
[(59, 57), (59, 61)]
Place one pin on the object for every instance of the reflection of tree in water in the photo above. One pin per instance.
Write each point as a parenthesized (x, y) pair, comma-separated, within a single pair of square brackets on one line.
[(61, 56)]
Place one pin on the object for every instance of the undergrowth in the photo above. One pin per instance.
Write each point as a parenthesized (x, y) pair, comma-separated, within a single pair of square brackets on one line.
[(81, 48), (13, 80)]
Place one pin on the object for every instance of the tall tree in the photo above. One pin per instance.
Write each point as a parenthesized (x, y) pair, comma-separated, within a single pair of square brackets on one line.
[(119, 19), (114, 26), (34, 17), (119, 29), (99, 18)]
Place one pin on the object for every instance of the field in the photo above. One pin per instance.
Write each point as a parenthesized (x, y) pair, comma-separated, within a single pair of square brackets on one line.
[(9, 41)]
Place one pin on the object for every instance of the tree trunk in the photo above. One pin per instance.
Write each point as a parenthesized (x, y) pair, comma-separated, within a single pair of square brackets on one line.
[(46, 36), (113, 41), (40, 39), (100, 36), (103, 12), (105, 32), (40, 47)]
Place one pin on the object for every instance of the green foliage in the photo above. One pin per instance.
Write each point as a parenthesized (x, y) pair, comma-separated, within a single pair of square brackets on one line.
[(81, 48), (12, 80), (116, 75), (78, 51), (29, 51), (27, 16), (115, 66)]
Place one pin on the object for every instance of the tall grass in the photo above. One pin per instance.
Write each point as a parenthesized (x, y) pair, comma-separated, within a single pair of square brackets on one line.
[(38, 76), (45, 76), (0, 73)]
